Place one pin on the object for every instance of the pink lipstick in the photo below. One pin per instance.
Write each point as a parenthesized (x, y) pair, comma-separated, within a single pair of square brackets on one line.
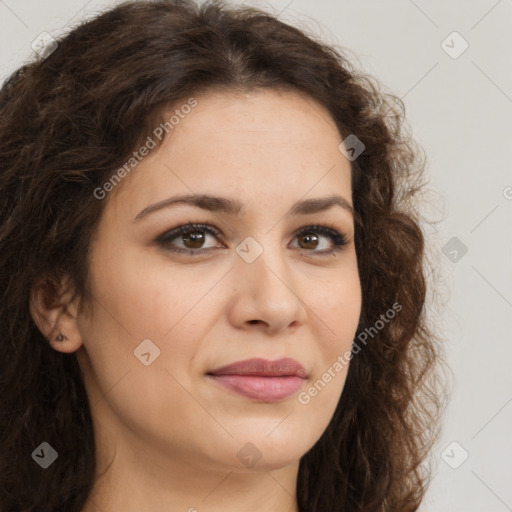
[(260, 379)]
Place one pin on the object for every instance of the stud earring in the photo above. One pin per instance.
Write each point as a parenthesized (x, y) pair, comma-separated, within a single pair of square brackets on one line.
[(60, 337)]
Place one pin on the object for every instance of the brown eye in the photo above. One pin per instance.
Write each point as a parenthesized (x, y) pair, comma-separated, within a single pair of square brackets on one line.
[(193, 240), (189, 238), (310, 241)]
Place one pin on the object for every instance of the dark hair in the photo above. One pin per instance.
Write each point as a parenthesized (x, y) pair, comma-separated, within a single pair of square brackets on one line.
[(70, 119)]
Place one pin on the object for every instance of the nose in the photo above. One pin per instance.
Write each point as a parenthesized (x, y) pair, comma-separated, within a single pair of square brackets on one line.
[(266, 295)]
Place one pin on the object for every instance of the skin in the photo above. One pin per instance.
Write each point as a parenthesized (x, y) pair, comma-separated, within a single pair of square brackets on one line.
[(171, 435)]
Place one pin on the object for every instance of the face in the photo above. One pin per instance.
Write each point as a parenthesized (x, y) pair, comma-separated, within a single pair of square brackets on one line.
[(256, 280)]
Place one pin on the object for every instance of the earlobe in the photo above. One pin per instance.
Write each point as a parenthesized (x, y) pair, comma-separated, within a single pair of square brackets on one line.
[(53, 309)]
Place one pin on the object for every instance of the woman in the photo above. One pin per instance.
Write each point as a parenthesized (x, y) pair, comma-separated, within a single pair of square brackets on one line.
[(212, 274)]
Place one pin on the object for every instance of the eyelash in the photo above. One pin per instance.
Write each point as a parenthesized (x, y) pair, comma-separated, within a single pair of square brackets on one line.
[(339, 240)]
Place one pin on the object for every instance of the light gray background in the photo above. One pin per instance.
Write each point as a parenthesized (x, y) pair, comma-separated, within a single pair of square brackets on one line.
[(459, 110)]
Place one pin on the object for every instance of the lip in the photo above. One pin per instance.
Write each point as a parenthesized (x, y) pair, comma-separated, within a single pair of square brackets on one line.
[(261, 379)]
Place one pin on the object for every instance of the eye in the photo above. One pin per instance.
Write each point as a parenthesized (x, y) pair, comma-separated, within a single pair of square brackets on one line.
[(193, 236), (310, 238)]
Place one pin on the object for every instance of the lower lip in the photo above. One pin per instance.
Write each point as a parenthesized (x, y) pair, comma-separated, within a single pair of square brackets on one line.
[(266, 389)]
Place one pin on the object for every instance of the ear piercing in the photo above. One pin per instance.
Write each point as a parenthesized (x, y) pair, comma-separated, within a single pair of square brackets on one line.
[(60, 337)]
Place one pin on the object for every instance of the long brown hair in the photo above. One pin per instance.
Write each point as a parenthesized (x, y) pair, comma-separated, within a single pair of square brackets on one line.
[(72, 118)]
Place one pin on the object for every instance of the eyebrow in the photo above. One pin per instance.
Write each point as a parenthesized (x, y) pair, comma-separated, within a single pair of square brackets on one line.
[(234, 207)]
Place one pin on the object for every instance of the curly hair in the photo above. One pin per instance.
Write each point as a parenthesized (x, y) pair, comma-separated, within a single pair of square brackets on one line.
[(70, 119)]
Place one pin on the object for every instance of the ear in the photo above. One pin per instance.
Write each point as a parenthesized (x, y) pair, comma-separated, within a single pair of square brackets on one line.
[(54, 308)]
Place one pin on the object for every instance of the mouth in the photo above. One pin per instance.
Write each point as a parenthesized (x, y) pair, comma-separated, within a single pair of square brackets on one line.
[(260, 379)]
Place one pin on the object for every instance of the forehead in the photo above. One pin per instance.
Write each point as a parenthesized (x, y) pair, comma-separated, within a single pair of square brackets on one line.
[(272, 144), (261, 116)]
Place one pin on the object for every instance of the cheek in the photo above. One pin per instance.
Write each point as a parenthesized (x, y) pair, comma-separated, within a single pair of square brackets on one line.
[(150, 307), (150, 297), (132, 312), (337, 308)]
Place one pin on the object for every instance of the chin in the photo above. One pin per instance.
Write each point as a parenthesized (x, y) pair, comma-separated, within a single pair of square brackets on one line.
[(262, 453)]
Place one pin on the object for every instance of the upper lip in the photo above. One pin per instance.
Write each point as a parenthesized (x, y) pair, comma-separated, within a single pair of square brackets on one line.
[(279, 368)]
